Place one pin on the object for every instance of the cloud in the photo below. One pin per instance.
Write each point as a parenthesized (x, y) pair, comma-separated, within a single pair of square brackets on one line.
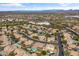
[(64, 4), (11, 4)]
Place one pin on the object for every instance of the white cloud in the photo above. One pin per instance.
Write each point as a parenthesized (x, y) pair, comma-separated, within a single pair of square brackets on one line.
[(11, 4), (64, 4)]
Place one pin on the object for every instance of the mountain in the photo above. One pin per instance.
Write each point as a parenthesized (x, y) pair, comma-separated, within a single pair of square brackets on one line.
[(40, 11)]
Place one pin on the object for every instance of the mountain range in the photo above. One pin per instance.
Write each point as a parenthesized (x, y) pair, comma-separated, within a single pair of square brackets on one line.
[(40, 11)]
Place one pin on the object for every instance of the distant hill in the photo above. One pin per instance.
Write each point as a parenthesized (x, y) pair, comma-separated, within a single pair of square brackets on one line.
[(41, 11)]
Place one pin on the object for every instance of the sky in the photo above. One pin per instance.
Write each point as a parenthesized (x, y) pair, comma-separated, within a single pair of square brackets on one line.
[(39, 1), (37, 6)]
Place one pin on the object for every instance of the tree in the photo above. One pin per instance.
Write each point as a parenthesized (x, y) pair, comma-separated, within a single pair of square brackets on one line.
[(1, 42), (62, 36), (64, 41), (12, 53), (76, 38), (47, 35), (42, 53), (1, 48), (66, 53), (14, 39), (35, 37)]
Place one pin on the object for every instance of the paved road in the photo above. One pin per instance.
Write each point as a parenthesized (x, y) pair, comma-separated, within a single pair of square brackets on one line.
[(36, 40), (71, 30), (61, 50)]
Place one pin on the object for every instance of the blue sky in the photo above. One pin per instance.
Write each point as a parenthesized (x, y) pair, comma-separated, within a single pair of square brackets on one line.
[(37, 6)]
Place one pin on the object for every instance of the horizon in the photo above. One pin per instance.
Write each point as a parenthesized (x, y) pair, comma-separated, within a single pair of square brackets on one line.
[(38, 6)]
